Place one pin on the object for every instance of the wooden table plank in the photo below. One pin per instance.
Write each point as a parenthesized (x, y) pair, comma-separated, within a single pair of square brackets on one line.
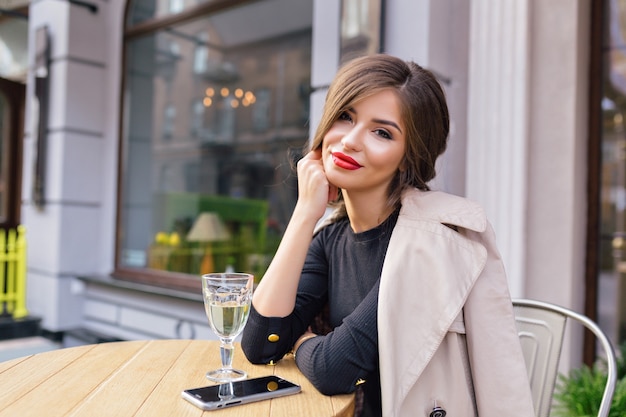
[(287, 369), (79, 375), (189, 372), (343, 405), (121, 394), (11, 363), (16, 373)]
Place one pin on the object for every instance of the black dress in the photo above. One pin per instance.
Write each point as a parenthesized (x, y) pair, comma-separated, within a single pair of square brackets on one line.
[(339, 282)]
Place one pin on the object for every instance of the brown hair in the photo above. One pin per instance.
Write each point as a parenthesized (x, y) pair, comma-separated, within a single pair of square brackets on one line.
[(423, 105)]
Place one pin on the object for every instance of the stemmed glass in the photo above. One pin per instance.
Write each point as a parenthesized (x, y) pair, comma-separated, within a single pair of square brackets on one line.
[(227, 298)]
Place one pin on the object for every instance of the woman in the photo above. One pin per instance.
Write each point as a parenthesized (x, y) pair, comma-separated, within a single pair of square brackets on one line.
[(409, 280)]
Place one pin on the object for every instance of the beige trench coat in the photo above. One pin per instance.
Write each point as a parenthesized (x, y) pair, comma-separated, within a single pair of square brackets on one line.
[(447, 335)]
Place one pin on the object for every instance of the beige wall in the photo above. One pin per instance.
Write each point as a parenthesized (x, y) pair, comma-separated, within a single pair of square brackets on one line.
[(557, 178)]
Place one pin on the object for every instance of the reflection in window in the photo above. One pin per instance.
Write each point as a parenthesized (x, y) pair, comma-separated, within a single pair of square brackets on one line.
[(169, 117), (197, 118), (176, 6), (261, 112), (235, 108), (201, 53), (144, 10), (168, 55), (360, 28), (612, 259)]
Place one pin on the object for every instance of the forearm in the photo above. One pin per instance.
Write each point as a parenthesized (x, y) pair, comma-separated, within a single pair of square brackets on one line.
[(260, 348), (338, 362), (276, 293), (255, 343)]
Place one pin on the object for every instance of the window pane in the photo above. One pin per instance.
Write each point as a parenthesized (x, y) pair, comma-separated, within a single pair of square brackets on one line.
[(143, 10), (208, 146), (360, 28)]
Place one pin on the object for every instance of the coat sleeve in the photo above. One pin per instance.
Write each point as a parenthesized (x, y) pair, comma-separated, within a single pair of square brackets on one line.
[(498, 368)]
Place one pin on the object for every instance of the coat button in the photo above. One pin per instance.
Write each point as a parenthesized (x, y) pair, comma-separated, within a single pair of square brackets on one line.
[(438, 412), (273, 337)]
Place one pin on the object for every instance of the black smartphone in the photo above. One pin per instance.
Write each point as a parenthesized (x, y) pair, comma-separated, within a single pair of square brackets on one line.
[(229, 394)]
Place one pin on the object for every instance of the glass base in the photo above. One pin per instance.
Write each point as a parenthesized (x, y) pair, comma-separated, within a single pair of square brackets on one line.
[(226, 375)]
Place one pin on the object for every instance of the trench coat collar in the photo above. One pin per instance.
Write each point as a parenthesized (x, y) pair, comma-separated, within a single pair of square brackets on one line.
[(428, 273), (435, 206), (443, 208)]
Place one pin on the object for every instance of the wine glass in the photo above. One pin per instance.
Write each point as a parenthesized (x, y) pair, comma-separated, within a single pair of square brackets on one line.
[(227, 298)]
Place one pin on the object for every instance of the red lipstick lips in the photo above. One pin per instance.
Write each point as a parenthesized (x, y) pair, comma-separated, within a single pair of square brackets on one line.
[(344, 161)]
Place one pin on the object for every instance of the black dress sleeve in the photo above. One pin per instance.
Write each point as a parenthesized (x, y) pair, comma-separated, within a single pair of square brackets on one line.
[(268, 339), (338, 362)]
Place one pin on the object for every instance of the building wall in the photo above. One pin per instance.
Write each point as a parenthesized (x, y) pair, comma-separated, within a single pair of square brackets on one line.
[(556, 214), (66, 238), (516, 84)]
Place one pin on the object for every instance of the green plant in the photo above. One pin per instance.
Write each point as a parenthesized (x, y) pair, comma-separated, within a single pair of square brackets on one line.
[(578, 394)]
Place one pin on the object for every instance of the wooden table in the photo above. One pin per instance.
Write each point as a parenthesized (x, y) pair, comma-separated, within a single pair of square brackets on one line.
[(144, 378)]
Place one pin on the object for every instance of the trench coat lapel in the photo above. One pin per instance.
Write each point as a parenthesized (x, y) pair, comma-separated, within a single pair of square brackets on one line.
[(428, 273)]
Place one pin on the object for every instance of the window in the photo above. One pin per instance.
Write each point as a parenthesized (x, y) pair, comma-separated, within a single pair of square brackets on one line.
[(201, 53), (211, 129), (197, 118), (176, 6), (360, 28), (169, 118), (141, 11)]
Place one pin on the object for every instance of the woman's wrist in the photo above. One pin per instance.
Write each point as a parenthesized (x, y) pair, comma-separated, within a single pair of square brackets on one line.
[(306, 336), (305, 215)]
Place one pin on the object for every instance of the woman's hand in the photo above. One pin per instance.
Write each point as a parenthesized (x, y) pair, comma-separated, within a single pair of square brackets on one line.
[(314, 190), (275, 296)]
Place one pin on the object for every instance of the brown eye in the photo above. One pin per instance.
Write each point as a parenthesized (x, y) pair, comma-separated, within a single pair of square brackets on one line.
[(383, 133), (345, 116)]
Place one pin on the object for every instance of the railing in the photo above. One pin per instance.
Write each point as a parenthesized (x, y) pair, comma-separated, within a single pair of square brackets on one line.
[(13, 272)]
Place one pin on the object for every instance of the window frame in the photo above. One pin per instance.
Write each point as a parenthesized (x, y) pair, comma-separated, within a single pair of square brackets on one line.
[(167, 279), (15, 95)]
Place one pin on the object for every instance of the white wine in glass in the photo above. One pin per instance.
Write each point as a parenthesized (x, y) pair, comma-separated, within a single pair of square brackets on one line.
[(227, 297)]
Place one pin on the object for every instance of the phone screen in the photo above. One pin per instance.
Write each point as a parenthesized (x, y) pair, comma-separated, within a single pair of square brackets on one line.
[(240, 392)]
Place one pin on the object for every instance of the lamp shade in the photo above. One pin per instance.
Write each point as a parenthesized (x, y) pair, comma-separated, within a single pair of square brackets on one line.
[(208, 227)]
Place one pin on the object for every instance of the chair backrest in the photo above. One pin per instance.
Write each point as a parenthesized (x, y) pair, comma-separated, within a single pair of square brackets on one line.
[(541, 327)]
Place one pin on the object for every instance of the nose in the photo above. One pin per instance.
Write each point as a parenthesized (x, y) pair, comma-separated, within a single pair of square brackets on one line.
[(352, 139)]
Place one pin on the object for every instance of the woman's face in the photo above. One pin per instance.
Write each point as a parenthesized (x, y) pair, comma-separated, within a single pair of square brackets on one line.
[(365, 146)]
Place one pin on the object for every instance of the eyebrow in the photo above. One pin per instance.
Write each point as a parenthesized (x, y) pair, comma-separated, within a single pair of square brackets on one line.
[(381, 121), (388, 123)]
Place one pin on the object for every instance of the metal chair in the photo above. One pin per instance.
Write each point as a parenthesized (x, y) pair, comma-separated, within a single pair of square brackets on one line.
[(541, 328)]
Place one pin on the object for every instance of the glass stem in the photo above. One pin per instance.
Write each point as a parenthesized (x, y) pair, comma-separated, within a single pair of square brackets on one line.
[(226, 391), (226, 352)]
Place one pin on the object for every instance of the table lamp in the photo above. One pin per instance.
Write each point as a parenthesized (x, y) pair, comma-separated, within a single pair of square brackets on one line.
[(208, 228)]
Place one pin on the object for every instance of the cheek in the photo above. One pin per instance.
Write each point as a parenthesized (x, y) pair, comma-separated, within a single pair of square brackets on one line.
[(325, 152), (391, 164), (330, 139), (333, 135), (325, 146)]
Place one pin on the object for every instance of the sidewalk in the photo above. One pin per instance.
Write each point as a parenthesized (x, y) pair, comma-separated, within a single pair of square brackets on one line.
[(16, 348)]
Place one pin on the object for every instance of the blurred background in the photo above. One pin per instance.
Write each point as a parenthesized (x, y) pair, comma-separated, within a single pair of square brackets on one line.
[(144, 142)]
